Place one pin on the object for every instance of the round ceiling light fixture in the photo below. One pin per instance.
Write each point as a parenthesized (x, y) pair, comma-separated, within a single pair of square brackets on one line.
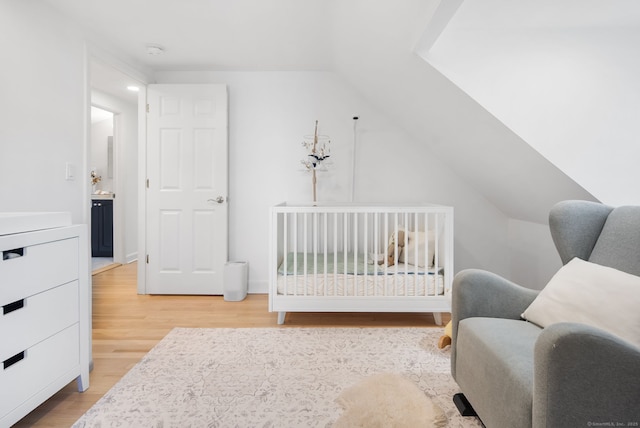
[(154, 50)]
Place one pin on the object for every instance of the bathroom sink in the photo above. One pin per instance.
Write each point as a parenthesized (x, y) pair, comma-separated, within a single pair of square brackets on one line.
[(103, 196)]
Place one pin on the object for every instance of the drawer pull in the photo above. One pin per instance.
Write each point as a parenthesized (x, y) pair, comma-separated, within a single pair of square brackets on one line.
[(18, 304), (12, 254), (11, 361)]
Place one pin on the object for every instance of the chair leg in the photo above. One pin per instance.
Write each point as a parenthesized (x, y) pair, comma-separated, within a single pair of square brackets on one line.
[(463, 405)]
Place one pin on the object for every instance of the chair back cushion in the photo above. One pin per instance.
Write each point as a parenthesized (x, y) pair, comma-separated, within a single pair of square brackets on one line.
[(575, 227), (618, 245)]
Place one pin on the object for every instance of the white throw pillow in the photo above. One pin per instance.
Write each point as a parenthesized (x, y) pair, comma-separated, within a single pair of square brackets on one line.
[(591, 294), (408, 254)]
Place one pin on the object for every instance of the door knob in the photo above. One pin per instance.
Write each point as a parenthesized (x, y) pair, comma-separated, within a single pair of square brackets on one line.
[(219, 199)]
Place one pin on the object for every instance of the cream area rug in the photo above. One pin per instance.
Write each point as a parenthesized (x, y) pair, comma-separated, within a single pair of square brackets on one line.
[(286, 377)]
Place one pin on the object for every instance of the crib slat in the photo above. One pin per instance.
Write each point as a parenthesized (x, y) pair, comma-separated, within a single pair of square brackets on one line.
[(376, 249), (394, 251), (285, 246), (436, 262), (406, 248), (365, 228), (295, 253), (314, 239), (426, 255), (416, 265), (354, 217), (305, 253), (346, 250), (335, 254), (385, 245), (325, 254)]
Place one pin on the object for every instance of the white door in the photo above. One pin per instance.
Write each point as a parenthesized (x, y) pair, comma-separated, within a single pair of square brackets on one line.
[(187, 188)]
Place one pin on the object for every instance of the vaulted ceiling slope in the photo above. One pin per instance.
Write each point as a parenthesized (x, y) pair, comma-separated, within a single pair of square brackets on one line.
[(563, 75), (370, 43), (377, 56)]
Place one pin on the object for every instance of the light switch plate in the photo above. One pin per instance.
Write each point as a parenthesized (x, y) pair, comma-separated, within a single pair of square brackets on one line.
[(70, 172)]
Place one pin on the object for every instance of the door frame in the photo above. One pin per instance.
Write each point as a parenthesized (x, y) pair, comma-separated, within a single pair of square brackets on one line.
[(142, 190), (95, 53)]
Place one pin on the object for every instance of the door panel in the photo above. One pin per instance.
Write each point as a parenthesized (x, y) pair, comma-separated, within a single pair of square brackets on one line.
[(187, 192), (204, 157), (170, 159)]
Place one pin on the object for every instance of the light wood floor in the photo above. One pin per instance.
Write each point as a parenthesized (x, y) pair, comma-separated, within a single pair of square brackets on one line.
[(127, 325)]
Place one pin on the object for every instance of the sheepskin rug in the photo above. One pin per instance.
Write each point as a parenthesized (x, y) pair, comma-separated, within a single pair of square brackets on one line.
[(387, 400)]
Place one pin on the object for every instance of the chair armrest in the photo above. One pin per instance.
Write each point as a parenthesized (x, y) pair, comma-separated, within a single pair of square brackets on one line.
[(478, 293), (584, 376)]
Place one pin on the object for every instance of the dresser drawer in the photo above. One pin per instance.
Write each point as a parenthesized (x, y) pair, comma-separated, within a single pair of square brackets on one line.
[(42, 364), (28, 321), (30, 270)]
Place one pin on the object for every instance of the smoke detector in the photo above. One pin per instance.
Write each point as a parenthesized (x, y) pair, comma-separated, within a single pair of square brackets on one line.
[(154, 50)]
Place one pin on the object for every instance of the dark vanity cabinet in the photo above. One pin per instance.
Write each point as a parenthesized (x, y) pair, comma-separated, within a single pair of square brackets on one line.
[(102, 228)]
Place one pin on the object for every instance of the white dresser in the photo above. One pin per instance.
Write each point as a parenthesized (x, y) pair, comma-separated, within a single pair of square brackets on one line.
[(45, 301)]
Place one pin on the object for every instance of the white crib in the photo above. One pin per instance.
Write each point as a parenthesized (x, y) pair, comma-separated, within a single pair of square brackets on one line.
[(360, 258)]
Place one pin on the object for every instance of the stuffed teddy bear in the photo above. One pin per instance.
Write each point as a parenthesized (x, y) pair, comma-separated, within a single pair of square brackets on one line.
[(445, 339), (411, 246), (392, 258)]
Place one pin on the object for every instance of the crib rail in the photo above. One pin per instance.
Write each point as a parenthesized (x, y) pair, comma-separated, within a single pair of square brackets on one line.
[(358, 252)]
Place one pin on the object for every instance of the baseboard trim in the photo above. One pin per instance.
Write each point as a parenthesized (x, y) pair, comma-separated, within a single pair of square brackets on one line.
[(258, 287)]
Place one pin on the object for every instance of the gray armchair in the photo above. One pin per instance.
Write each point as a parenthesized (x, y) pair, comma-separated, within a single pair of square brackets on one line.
[(516, 374)]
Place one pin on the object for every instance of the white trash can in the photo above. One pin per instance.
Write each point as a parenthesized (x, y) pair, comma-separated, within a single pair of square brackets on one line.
[(235, 281)]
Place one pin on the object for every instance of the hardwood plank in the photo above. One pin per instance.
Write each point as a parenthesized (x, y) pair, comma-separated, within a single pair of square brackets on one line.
[(127, 325)]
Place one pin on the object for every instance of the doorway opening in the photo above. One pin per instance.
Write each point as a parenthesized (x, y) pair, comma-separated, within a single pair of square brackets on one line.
[(112, 162), (102, 189)]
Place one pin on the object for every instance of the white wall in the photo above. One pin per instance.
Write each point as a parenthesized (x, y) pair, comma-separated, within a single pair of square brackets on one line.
[(533, 257), (126, 162), (270, 112), (44, 111), (571, 92)]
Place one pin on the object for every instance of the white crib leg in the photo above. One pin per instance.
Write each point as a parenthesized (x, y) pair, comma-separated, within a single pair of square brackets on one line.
[(437, 316), (281, 316)]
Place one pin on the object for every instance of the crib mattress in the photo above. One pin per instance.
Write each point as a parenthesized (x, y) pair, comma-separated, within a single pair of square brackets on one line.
[(400, 284)]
